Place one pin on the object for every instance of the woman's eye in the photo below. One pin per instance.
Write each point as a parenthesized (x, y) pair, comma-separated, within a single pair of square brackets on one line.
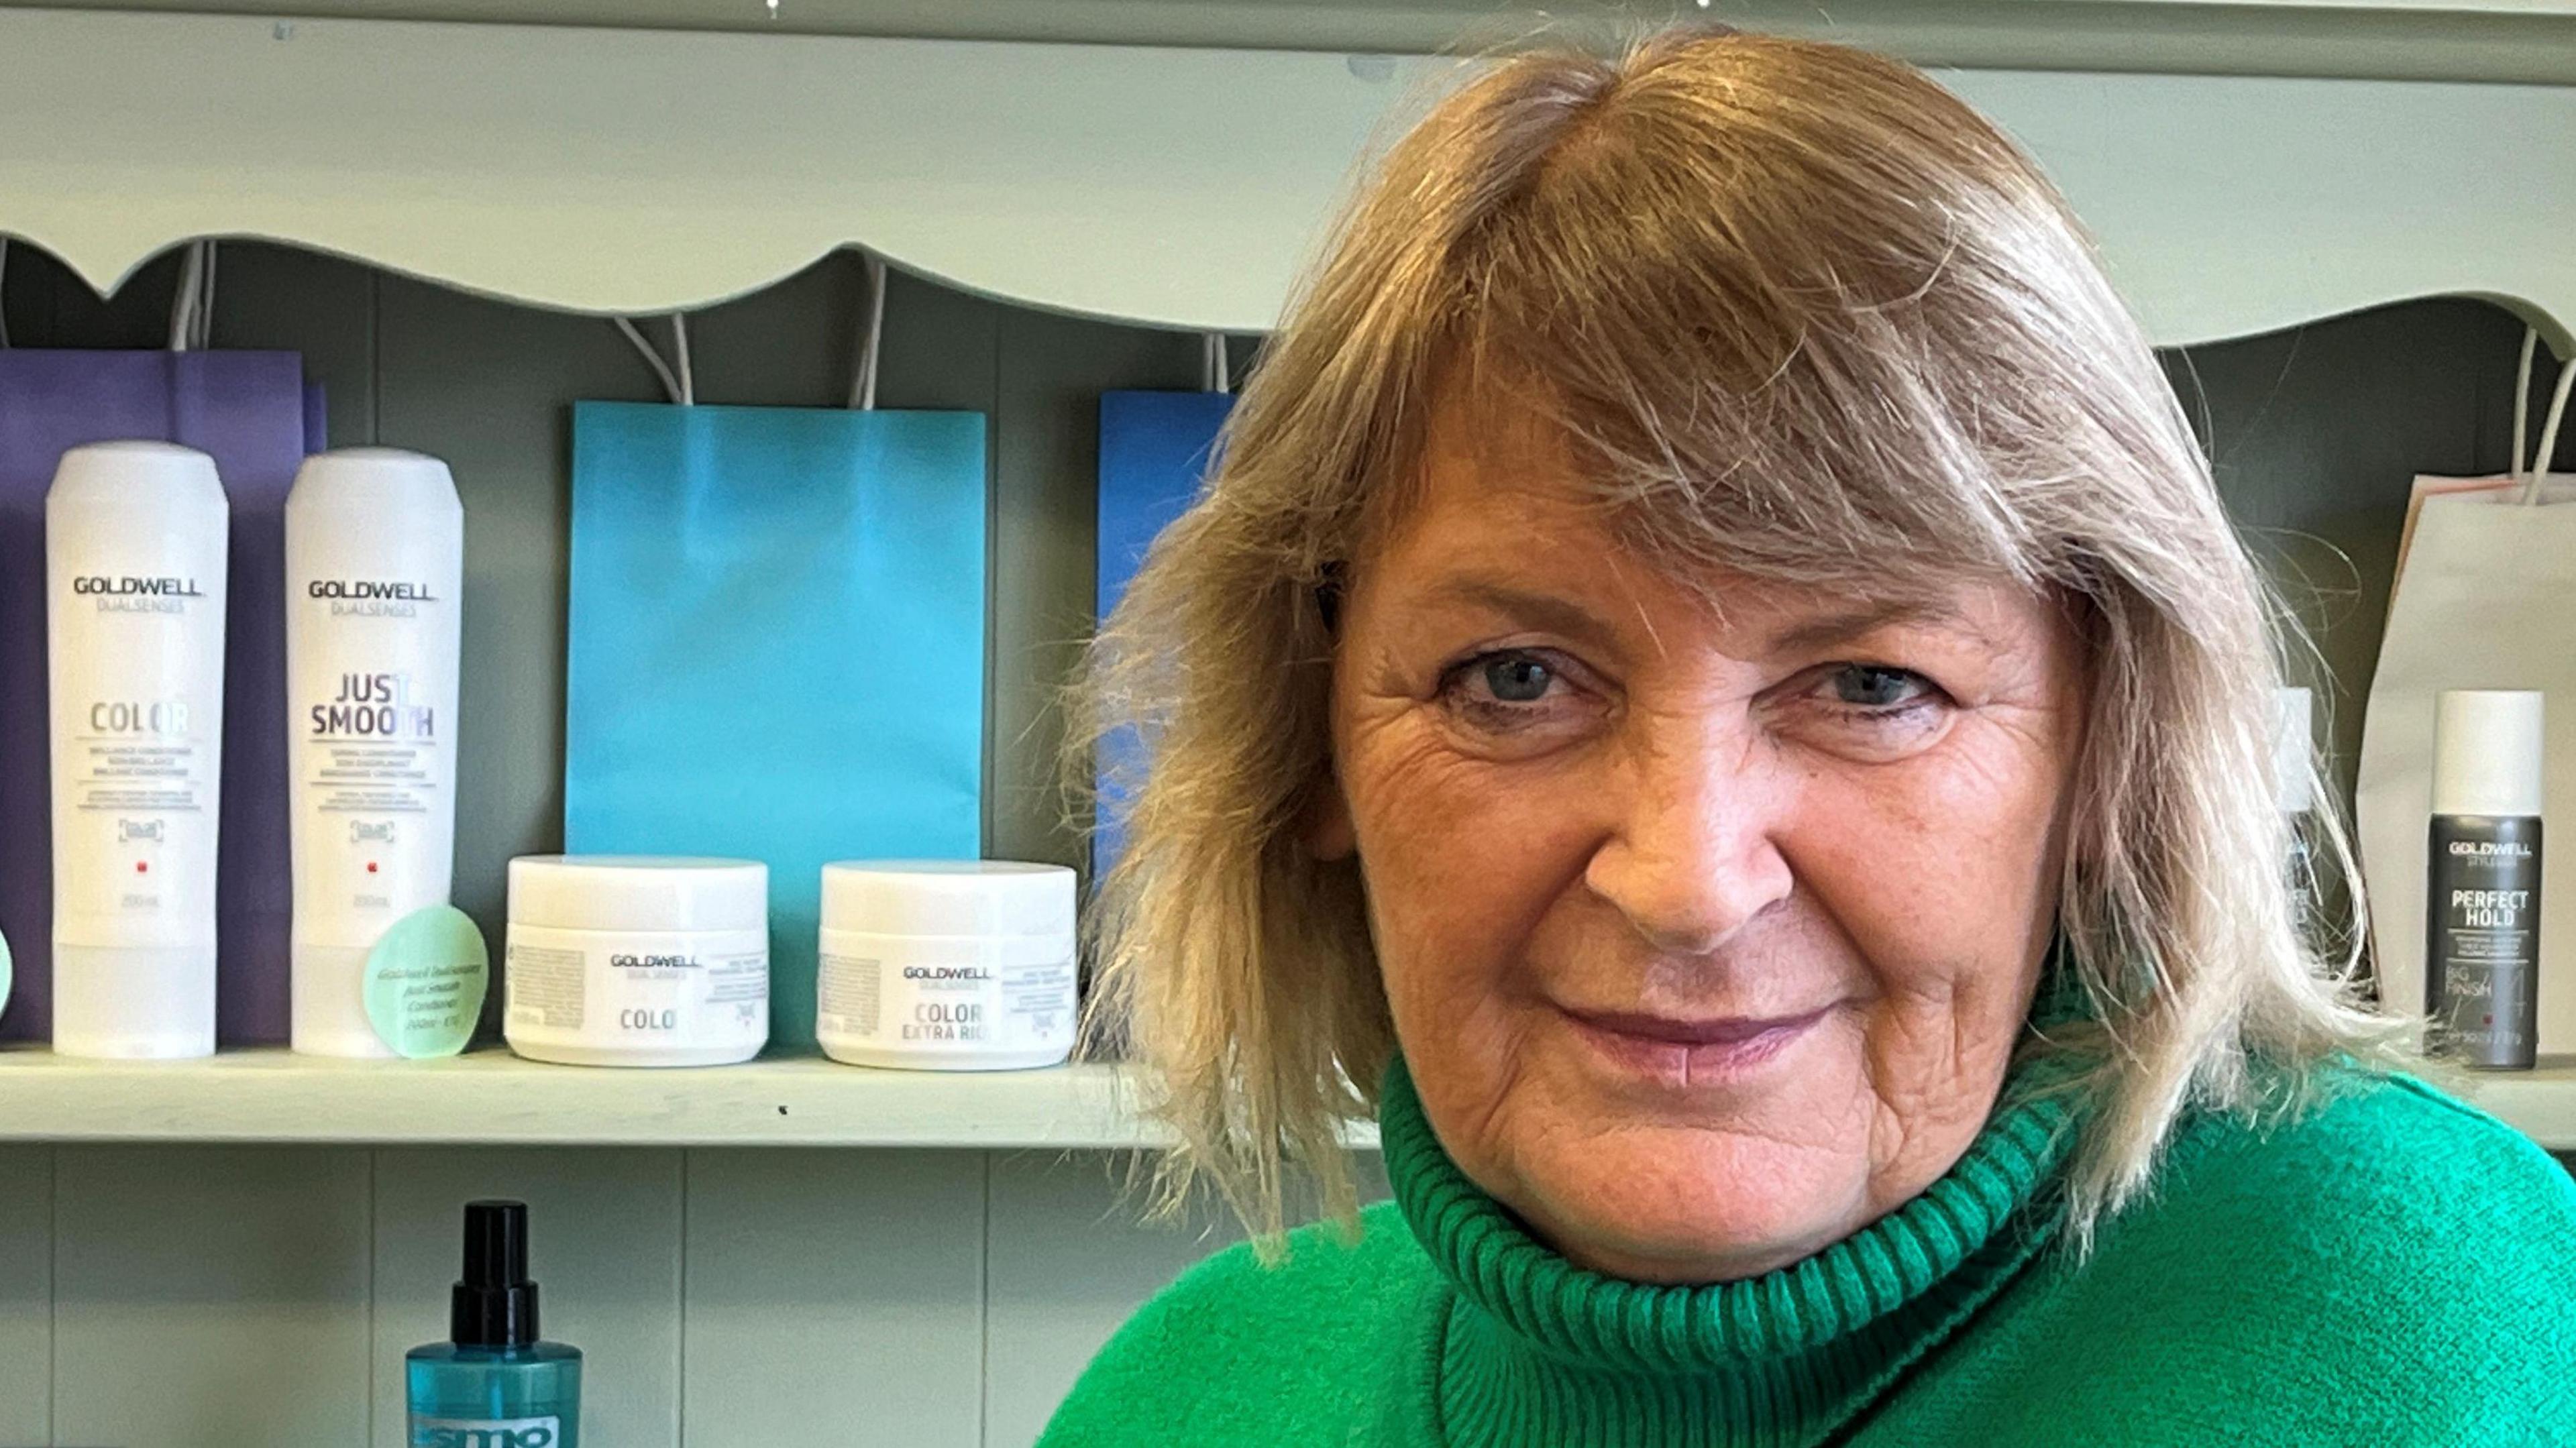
[(1870, 712), (1514, 692), (1517, 678), (1876, 686)]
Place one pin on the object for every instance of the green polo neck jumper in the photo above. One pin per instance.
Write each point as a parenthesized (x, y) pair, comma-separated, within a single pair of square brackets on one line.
[(2391, 1268)]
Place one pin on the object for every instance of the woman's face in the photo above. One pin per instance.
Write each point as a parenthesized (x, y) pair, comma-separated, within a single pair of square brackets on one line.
[(1707, 933)]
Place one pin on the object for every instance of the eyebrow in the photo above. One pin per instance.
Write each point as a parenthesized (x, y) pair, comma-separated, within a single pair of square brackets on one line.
[(1563, 616), (1538, 610), (1842, 627)]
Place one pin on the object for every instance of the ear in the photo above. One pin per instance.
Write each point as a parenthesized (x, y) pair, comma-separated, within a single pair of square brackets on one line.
[(1330, 834)]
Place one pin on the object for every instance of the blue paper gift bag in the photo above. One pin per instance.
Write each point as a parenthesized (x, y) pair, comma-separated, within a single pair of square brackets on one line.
[(777, 647), (1155, 451)]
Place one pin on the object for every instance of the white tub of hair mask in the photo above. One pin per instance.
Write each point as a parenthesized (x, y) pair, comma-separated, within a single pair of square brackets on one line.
[(946, 965), (637, 960)]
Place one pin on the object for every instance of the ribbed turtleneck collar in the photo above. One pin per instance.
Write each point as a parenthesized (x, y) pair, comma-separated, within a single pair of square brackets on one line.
[(1540, 1352)]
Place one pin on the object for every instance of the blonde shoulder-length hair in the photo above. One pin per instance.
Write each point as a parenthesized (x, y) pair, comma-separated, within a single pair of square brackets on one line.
[(1803, 315)]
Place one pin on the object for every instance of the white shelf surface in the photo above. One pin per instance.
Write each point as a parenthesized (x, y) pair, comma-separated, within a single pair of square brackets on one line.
[(491, 1097), (2541, 1104)]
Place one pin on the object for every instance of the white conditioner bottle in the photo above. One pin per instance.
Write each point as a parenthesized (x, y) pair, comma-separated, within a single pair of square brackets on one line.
[(135, 551), (375, 564)]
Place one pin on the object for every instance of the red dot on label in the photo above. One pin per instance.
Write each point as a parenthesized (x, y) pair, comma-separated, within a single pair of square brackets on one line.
[(371, 867), (140, 867)]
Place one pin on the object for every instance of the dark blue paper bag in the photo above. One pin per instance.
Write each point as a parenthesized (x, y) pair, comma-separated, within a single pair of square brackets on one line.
[(1155, 449)]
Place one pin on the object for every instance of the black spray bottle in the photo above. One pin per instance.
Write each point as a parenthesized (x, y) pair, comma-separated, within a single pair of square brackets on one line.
[(2482, 897), (495, 1384)]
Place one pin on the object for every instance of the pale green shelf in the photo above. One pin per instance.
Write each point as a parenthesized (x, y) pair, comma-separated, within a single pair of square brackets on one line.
[(2540, 1104), (491, 1097)]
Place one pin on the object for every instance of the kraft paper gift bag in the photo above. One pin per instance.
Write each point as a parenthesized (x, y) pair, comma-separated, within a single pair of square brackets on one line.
[(254, 414), (2485, 598), (777, 647), (1155, 452)]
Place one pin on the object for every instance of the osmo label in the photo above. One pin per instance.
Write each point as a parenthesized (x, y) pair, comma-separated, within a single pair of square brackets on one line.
[(545, 1432)]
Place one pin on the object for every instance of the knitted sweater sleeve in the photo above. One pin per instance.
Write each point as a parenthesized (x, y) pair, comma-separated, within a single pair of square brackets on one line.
[(2398, 1270), (1310, 1350)]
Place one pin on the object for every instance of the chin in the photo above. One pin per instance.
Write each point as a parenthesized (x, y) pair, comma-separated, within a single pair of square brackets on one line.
[(1657, 1203)]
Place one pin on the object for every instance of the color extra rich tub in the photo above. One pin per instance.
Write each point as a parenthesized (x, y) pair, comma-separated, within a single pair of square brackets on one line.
[(637, 960), (946, 965)]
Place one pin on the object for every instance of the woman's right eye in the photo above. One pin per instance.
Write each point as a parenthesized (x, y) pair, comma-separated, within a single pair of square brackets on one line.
[(1516, 678), (1511, 691)]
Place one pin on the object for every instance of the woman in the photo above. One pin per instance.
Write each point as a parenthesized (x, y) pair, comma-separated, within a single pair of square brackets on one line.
[(1714, 692)]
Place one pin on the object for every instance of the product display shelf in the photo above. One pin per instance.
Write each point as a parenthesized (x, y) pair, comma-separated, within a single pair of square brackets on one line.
[(2540, 1104), (490, 1097)]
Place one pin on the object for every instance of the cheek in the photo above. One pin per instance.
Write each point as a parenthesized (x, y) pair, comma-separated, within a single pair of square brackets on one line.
[(1955, 864), (1463, 860)]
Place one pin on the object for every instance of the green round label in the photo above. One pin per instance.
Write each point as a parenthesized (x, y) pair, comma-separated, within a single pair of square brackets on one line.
[(425, 982)]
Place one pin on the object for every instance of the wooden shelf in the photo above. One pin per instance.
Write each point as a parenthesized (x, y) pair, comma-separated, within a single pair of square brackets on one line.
[(493, 1098)]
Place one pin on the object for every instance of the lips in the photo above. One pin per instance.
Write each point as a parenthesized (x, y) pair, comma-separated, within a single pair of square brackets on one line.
[(1690, 1051)]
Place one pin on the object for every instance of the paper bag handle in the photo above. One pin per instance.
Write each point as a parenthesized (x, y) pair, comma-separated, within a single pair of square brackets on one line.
[(679, 384), (192, 308), (679, 380), (2539, 472)]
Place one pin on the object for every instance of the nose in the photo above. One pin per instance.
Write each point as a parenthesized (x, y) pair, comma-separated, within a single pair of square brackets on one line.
[(1694, 854)]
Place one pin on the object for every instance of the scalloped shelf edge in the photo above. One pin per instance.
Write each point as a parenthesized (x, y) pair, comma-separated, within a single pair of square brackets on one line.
[(617, 171)]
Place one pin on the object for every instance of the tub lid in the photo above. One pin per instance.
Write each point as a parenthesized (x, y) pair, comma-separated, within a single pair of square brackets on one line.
[(949, 897), (638, 892)]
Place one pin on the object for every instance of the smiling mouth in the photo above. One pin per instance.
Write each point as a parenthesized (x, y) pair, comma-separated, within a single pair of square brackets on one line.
[(1684, 1051)]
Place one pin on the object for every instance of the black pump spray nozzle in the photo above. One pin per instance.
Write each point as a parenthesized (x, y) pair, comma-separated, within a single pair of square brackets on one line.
[(494, 1304)]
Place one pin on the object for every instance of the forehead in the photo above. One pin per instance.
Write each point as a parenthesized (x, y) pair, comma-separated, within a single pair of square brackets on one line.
[(1494, 473), (1500, 516)]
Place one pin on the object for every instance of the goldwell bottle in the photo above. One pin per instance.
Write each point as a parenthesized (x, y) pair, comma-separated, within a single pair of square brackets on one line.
[(135, 550), (2482, 901), (375, 564)]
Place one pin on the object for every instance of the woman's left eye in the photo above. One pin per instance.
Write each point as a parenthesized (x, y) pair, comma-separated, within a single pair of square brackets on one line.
[(1868, 712), (1877, 686)]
